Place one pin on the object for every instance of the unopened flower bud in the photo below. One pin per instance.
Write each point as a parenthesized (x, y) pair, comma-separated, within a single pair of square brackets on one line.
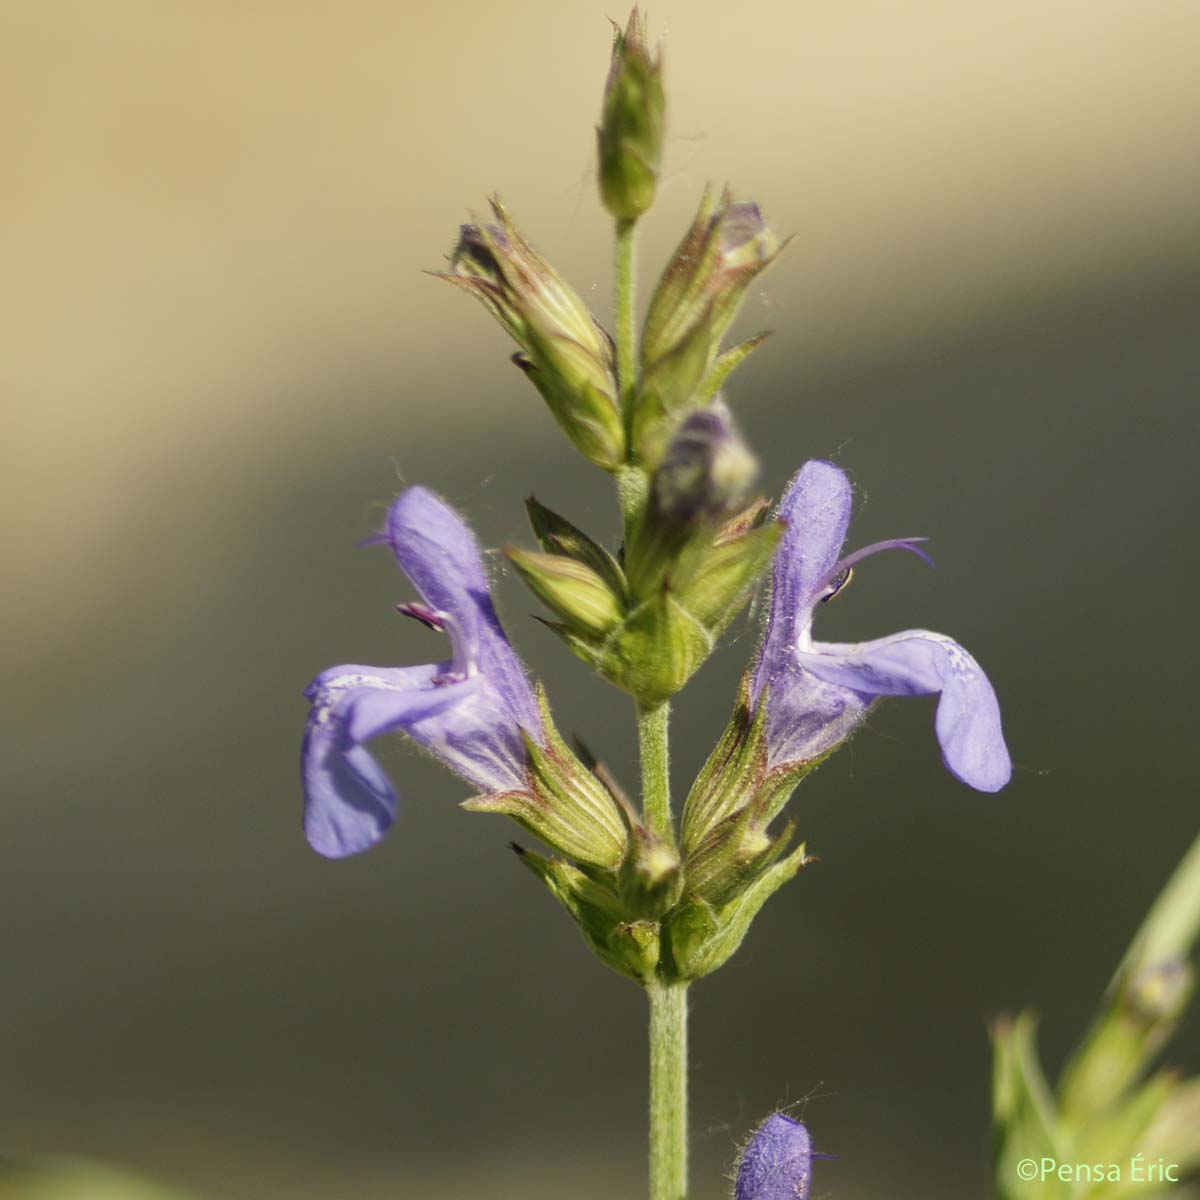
[(733, 856), (650, 876), (628, 945), (705, 471), (704, 933), (648, 623), (564, 350), (556, 535), (572, 590), (776, 1163), (692, 308), (631, 124)]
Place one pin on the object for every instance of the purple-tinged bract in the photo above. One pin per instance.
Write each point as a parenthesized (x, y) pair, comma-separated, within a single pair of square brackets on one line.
[(469, 711), (777, 1163), (818, 692)]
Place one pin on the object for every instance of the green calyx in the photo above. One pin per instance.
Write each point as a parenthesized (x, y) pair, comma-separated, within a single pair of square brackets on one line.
[(629, 946), (700, 936), (646, 620), (725, 830), (563, 802), (676, 914), (691, 310), (563, 350), (571, 589)]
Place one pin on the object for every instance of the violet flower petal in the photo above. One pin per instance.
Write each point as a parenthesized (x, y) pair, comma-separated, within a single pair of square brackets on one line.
[(918, 663), (437, 551), (808, 717), (349, 803), (777, 1163), (816, 509)]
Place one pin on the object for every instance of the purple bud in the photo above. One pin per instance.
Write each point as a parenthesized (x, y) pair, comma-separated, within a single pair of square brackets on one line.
[(777, 1163), (705, 470)]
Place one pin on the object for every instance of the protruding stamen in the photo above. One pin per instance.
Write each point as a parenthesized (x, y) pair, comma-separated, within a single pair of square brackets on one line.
[(427, 616), (840, 575), (836, 586)]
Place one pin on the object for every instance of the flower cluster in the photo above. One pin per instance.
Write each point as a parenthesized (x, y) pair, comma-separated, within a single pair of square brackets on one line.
[(645, 906)]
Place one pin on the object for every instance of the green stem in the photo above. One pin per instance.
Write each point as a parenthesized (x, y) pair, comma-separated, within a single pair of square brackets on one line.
[(656, 769), (668, 1002), (668, 1091)]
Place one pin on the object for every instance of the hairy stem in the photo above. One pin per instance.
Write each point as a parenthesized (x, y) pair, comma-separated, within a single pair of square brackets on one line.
[(668, 1001), (656, 769), (668, 1091)]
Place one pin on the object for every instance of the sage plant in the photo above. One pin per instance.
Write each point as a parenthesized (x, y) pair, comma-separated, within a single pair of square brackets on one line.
[(662, 902)]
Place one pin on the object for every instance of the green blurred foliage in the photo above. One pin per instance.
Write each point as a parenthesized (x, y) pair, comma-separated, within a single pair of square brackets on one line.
[(68, 1180), (1116, 1130)]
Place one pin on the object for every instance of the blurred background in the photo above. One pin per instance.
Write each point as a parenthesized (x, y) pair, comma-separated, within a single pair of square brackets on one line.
[(220, 360)]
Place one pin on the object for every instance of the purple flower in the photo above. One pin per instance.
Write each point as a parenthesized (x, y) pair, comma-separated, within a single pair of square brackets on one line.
[(468, 712), (818, 692), (777, 1163)]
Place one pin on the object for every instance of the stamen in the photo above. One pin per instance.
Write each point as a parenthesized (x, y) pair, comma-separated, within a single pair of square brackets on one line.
[(462, 665), (840, 575), (837, 585), (427, 616)]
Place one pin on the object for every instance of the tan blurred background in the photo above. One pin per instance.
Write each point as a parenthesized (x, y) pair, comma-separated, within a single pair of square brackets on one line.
[(218, 358)]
